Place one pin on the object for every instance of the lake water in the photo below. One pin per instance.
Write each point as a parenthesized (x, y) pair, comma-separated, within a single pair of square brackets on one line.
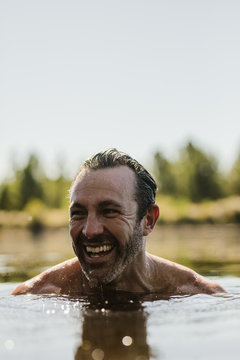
[(196, 327), (123, 327), (208, 249)]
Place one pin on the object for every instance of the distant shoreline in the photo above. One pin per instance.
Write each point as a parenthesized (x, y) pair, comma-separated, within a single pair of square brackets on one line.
[(172, 211)]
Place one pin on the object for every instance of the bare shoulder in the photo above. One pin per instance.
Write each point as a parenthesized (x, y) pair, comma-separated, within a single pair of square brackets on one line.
[(180, 279), (58, 279)]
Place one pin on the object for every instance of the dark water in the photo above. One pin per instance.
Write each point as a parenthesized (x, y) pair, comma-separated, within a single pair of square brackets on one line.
[(196, 327)]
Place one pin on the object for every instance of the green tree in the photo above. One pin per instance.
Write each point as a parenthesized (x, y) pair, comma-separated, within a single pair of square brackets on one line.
[(29, 180), (164, 175), (234, 177), (5, 197), (9, 195), (56, 192), (198, 175)]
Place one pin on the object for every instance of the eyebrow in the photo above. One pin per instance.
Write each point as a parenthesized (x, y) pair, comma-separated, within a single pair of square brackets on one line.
[(110, 203), (102, 204), (76, 205)]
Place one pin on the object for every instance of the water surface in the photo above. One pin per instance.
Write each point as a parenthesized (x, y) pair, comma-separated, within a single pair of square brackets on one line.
[(124, 327)]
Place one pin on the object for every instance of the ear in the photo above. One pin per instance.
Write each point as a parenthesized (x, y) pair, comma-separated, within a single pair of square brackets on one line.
[(150, 219)]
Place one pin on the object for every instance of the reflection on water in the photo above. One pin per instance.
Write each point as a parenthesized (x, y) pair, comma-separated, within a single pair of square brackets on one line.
[(115, 327), (113, 335), (121, 327), (208, 249)]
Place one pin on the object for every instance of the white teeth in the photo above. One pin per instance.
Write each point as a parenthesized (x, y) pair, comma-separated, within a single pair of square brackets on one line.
[(98, 249)]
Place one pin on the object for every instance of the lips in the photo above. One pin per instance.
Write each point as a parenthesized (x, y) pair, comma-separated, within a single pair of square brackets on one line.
[(97, 250), (98, 253)]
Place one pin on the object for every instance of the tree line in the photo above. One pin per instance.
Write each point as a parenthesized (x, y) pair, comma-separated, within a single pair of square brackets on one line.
[(195, 175), (30, 186)]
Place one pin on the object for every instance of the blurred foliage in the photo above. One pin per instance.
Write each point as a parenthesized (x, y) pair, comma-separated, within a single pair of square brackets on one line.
[(164, 172), (193, 177), (180, 210), (30, 189), (234, 177)]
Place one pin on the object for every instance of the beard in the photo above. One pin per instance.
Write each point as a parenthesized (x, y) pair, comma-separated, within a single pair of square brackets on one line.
[(106, 272)]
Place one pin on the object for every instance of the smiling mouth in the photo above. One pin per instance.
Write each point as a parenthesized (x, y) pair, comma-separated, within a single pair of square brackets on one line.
[(98, 251)]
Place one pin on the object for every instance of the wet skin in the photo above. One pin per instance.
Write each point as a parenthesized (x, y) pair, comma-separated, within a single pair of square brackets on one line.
[(109, 242)]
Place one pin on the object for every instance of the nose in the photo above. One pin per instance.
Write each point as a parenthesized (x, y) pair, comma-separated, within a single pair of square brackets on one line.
[(92, 227)]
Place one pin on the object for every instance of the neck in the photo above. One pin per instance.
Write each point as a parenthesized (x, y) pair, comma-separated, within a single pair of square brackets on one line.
[(135, 277)]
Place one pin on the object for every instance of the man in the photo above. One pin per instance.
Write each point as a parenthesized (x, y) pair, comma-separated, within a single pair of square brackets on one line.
[(112, 211)]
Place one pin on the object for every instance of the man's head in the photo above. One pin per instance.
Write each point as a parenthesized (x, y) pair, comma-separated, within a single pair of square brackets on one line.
[(145, 189), (109, 220)]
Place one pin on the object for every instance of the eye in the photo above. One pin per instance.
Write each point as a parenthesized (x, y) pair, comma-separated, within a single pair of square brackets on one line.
[(77, 214), (109, 212)]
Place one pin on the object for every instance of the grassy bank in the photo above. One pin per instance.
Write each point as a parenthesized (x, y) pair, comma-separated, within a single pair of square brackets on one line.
[(172, 211), (46, 218)]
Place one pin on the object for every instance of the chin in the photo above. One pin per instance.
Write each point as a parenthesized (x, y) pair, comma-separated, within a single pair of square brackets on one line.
[(97, 280), (100, 275)]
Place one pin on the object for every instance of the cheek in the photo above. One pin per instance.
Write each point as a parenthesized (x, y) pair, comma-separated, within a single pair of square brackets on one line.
[(120, 229), (74, 229)]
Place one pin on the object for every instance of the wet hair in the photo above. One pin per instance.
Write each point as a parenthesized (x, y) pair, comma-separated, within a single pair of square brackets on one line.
[(145, 184)]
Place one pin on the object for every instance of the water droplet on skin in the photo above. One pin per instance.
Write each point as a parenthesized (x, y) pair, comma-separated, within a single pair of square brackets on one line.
[(127, 340)]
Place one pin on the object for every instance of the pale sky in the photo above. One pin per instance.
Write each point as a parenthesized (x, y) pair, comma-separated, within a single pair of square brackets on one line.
[(80, 76)]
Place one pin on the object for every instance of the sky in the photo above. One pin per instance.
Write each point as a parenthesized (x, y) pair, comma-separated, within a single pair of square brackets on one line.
[(80, 76)]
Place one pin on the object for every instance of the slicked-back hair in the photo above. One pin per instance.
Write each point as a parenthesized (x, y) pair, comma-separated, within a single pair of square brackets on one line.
[(145, 184)]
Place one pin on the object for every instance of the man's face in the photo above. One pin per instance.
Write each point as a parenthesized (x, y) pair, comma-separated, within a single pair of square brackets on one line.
[(103, 222)]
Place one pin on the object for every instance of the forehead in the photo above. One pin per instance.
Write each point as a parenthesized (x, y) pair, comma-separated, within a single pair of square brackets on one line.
[(118, 183)]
